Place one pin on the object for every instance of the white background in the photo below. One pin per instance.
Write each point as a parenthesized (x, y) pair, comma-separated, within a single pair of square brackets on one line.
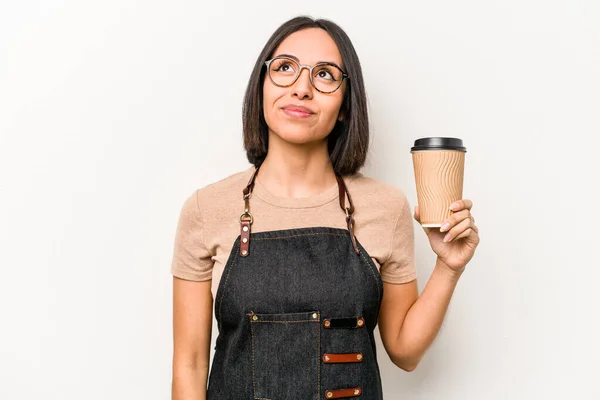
[(113, 112)]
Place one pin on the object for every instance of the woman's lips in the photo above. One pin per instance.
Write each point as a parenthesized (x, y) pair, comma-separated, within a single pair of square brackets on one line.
[(297, 111)]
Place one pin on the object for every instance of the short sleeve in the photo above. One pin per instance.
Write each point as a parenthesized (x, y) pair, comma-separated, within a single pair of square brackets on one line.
[(191, 258), (399, 267)]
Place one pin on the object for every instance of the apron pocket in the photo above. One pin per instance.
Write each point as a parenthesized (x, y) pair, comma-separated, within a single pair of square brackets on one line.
[(286, 355)]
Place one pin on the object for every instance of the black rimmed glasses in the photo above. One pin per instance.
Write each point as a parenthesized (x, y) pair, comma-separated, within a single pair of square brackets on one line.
[(325, 77)]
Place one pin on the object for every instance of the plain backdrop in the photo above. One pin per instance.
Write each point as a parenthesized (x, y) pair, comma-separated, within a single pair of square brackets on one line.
[(113, 112)]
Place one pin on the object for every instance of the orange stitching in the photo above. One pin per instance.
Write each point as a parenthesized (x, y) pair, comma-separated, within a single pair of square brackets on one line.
[(374, 276), (253, 382), (283, 322), (319, 355), (224, 285), (302, 234)]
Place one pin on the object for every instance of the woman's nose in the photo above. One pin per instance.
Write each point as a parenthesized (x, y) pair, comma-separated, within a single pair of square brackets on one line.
[(302, 87)]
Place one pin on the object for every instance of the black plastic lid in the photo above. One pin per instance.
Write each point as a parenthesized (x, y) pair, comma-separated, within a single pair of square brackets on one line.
[(438, 143)]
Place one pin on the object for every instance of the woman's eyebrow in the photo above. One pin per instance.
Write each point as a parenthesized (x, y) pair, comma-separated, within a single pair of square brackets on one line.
[(297, 59)]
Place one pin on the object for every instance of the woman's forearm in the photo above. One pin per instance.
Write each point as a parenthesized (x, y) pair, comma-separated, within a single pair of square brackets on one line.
[(424, 319), (189, 383)]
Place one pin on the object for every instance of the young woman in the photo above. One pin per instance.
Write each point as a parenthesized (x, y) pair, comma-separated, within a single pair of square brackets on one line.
[(301, 255)]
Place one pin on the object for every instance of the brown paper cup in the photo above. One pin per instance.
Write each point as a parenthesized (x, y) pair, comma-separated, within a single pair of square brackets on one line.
[(439, 172)]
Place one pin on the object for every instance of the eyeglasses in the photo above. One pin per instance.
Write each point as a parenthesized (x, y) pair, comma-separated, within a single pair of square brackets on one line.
[(325, 77)]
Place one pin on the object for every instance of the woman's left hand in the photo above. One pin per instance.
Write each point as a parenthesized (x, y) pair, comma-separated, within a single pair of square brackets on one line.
[(456, 241)]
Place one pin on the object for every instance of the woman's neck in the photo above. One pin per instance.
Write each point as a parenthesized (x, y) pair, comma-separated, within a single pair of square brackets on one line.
[(292, 170)]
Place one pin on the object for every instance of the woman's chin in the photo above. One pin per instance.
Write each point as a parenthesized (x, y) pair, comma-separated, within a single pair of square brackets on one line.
[(301, 137)]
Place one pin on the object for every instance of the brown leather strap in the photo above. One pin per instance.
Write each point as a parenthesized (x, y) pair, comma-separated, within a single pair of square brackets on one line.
[(248, 189), (348, 210), (246, 218), (329, 358), (343, 194), (350, 222), (342, 393)]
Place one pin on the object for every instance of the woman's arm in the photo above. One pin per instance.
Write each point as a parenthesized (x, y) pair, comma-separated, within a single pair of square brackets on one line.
[(408, 323), (192, 327)]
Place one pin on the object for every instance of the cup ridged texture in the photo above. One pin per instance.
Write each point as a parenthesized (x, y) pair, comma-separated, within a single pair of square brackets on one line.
[(439, 178)]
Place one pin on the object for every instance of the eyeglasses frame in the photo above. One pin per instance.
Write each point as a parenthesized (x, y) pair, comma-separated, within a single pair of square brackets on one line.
[(310, 73)]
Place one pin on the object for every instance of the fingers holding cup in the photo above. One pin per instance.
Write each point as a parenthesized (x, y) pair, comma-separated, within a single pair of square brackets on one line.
[(463, 229)]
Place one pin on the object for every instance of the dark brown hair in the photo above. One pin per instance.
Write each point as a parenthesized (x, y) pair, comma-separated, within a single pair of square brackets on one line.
[(348, 141)]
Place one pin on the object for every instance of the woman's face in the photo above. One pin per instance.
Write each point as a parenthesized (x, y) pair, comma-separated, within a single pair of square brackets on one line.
[(300, 113)]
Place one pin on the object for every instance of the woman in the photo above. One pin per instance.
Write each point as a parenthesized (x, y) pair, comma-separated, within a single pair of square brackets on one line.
[(301, 255)]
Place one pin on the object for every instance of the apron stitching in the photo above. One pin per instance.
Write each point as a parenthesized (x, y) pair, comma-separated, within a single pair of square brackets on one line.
[(298, 235), (253, 382), (319, 359), (223, 294), (284, 322), (372, 272)]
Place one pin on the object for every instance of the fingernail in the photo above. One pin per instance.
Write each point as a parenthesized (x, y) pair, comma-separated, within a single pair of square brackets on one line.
[(447, 238), (454, 207), (445, 227)]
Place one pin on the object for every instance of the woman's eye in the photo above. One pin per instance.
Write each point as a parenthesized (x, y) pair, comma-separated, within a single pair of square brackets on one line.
[(285, 67), (324, 74)]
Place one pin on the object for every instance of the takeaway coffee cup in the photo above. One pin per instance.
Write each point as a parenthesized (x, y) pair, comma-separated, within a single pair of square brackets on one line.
[(439, 164)]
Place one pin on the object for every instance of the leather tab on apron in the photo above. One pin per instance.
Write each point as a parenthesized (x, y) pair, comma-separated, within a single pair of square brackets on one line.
[(337, 323), (342, 393), (245, 240), (329, 358)]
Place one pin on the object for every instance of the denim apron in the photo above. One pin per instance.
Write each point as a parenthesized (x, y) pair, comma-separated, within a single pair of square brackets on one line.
[(296, 310)]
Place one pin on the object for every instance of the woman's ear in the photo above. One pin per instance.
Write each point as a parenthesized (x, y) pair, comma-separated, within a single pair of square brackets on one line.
[(341, 116)]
